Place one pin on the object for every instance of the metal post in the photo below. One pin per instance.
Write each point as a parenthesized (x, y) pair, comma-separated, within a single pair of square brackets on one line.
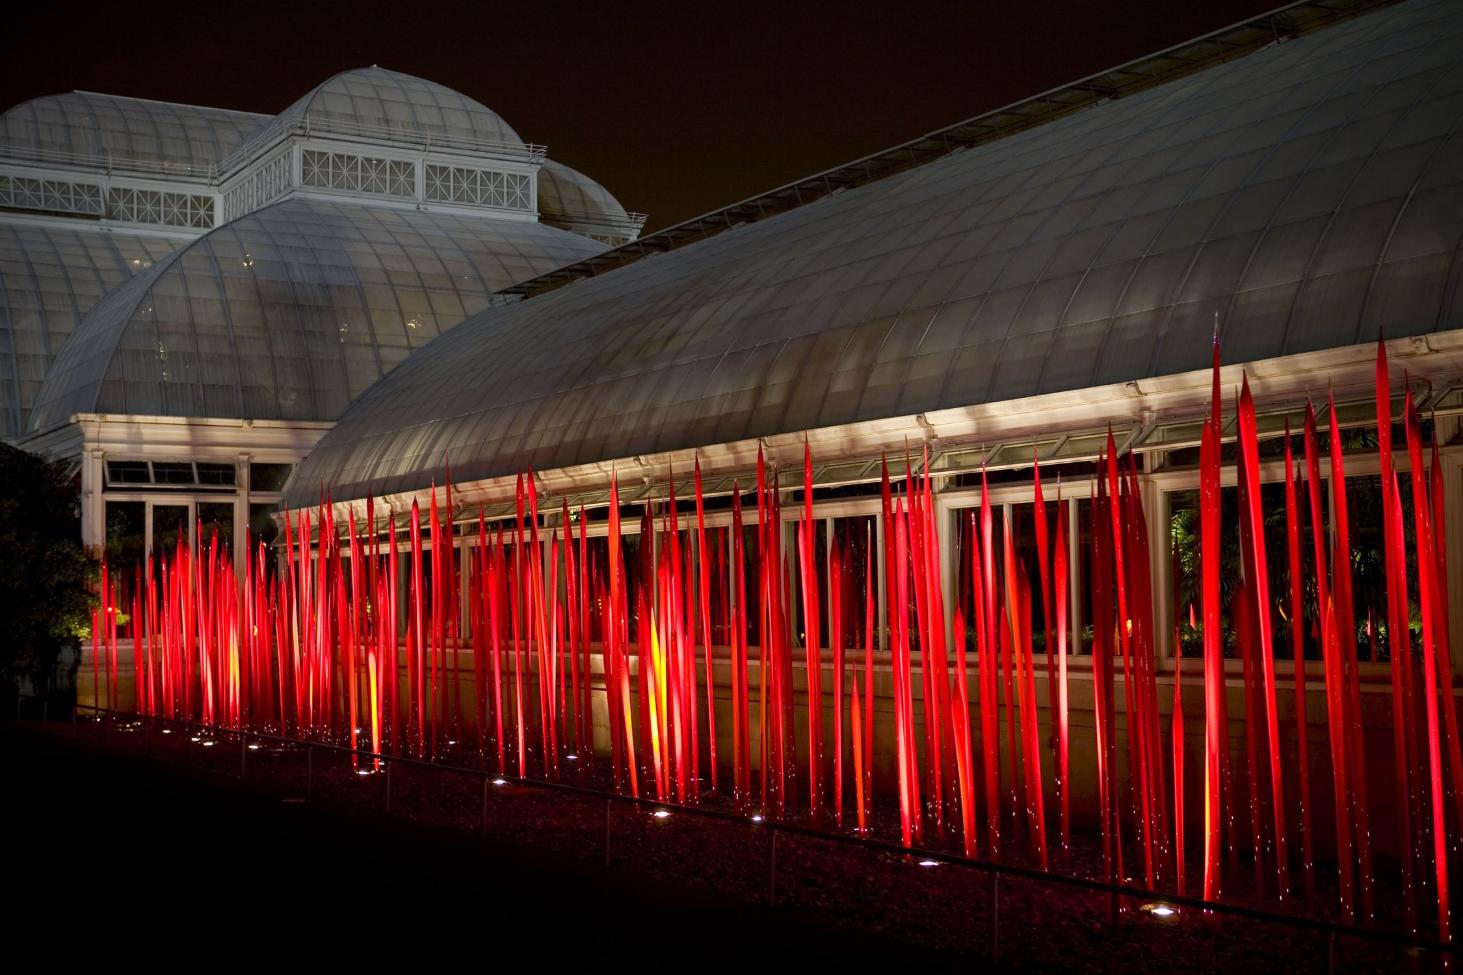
[(243, 753), (485, 806), (45, 709), (607, 830), (388, 785), (309, 771), (771, 867), (1331, 952), (995, 917)]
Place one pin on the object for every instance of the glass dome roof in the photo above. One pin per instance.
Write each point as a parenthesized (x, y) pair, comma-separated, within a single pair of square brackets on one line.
[(1310, 195), (378, 103), (82, 128), (49, 277), (566, 194), (290, 312)]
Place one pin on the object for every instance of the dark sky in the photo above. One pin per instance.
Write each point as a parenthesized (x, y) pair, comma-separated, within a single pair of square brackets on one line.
[(678, 108)]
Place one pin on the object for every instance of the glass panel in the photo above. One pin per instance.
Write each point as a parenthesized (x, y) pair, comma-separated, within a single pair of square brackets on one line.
[(1374, 640), (1184, 533), (216, 518), (125, 541), (857, 537), (1354, 440), (1083, 566), (219, 474), (169, 526), (638, 568), (172, 473), (268, 477), (967, 546), (1023, 538), (262, 527), (597, 560), (128, 472), (751, 583), (716, 563), (407, 622), (820, 573), (1184, 537)]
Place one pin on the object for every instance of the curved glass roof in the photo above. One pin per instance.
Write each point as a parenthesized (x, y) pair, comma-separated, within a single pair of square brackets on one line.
[(1310, 195), (50, 276), (383, 104), (82, 128), (290, 312), (566, 194)]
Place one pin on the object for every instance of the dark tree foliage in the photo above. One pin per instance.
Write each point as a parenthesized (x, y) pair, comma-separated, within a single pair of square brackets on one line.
[(1367, 553), (45, 576)]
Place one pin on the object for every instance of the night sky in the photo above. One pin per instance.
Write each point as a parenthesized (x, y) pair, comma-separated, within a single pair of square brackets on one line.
[(677, 108)]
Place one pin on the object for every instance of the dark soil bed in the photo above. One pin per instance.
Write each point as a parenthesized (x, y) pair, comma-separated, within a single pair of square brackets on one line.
[(131, 815)]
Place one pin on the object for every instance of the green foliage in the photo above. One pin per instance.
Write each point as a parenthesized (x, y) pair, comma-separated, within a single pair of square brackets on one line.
[(1366, 554), (45, 576)]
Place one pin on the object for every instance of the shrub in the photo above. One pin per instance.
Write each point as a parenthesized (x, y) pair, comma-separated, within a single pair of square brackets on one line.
[(46, 578)]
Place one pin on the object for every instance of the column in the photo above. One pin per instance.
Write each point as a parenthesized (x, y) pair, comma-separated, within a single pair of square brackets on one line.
[(93, 507)]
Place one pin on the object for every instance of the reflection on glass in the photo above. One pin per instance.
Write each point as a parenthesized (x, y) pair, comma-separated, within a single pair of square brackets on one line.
[(633, 559), (968, 546), (1369, 567), (262, 526), (216, 475), (169, 526), (1083, 567), (1024, 542), (121, 472), (216, 520), (857, 539), (268, 477), (751, 583), (172, 473), (125, 539), (820, 573), (717, 560), (1186, 569)]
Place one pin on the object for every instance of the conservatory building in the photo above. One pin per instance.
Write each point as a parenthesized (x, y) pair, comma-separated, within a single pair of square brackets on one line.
[(1015, 288), (214, 314), (1007, 289), (190, 297)]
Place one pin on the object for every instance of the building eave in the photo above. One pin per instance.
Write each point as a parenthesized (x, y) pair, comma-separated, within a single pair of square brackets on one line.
[(1128, 408)]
